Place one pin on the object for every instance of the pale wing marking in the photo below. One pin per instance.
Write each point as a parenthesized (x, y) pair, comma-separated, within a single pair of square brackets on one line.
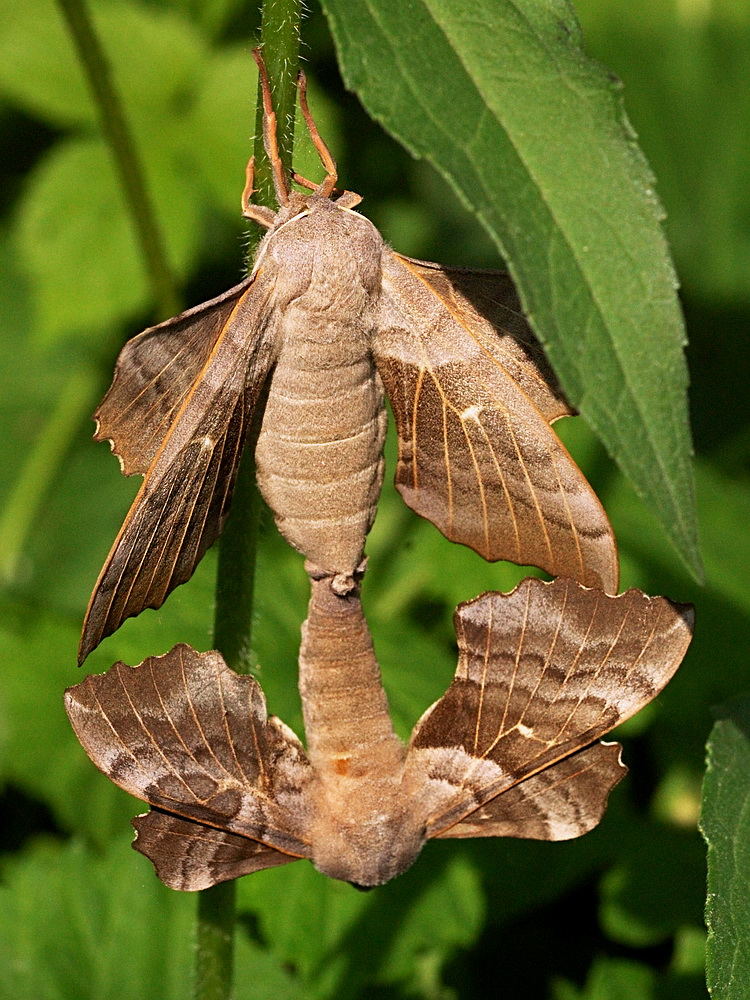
[(148, 734), (574, 531), (415, 407), (447, 463), (551, 651), (502, 410), (600, 666), (532, 491), (501, 476), (460, 321)]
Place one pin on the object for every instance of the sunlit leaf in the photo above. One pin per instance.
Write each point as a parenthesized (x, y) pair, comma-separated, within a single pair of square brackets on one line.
[(725, 823), (79, 926), (536, 142)]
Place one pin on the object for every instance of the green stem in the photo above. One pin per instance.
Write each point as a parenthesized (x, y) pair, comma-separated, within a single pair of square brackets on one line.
[(72, 406), (119, 138), (234, 588), (280, 39)]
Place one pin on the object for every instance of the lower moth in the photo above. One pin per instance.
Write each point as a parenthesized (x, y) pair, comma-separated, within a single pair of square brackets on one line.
[(513, 748)]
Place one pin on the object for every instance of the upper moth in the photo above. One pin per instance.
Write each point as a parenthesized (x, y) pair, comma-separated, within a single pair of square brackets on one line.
[(328, 319)]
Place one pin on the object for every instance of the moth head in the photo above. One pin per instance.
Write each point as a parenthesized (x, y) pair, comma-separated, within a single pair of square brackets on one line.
[(290, 202)]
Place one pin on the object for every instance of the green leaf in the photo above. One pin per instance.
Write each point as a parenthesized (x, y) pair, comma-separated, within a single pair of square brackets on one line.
[(725, 823), (448, 914), (342, 941), (612, 979), (38, 751), (688, 71), (85, 262), (655, 887), (533, 137), (79, 926), (39, 70), (74, 231), (155, 58), (723, 515)]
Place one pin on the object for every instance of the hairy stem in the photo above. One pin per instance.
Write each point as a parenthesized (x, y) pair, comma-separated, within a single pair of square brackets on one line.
[(234, 590), (280, 41)]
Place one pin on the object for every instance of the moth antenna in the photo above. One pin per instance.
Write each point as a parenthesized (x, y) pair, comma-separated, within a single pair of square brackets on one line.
[(270, 140), (258, 213), (326, 188)]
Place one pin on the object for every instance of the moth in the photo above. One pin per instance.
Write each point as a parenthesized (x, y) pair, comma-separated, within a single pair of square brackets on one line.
[(328, 319), (512, 749)]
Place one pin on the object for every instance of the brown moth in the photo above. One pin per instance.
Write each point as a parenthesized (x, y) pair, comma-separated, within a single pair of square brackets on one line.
[(328, 318), (512, 749)]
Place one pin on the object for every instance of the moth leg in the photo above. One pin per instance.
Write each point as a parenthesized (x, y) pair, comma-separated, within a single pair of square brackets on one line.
[(299, 179), (326, 188), (270, 140), (258, 213)]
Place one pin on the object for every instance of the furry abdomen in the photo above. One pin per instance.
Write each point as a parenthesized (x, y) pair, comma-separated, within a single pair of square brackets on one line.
[(319, 453)]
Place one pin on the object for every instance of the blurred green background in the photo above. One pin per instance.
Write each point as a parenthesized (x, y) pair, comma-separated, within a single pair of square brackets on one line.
[(615, 914)]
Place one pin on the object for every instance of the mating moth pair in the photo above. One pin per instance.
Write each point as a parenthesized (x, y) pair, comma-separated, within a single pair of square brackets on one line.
[(294, 362)]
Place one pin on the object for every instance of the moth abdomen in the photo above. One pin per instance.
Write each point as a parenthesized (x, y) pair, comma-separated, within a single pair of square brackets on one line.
[(319, 452)]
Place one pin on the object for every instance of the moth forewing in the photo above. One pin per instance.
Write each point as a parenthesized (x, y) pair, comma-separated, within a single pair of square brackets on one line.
[(473, 402), (485, 303), (184, 500), (154, 375)]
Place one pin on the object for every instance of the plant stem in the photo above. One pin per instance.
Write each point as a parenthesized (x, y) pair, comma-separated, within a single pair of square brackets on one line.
[(120, 141), (280, 39), (234, 587), (77, 397), (72, 405)]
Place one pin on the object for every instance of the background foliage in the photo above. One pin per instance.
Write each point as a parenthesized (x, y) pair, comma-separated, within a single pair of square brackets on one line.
[(616, 914)]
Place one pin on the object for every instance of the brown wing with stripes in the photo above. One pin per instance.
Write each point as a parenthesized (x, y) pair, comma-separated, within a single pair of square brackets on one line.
[(186, 734), (154, 375), (185, 497), (190, 856), (473, 399), (543, 674)]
